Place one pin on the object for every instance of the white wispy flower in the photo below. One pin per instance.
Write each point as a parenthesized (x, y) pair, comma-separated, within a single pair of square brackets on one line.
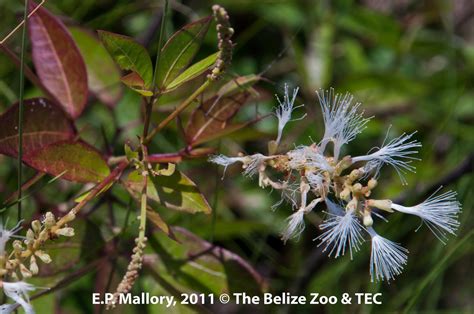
[(6, 235), (307, 156), (397, 153), (18, 292), (340, 229), (315, 180), (253, 163), (386, 259), (295, 225), (7, 308), (225, 161), (439, 213), (296, 221), (342, 120), (289, 193), (284, 110)]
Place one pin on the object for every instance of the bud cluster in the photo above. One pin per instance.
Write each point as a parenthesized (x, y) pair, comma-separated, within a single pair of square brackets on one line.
[(24, 259), (224, 34)]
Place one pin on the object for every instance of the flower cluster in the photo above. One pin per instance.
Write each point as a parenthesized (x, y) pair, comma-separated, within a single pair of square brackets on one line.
[(313, 174), (22, 261)]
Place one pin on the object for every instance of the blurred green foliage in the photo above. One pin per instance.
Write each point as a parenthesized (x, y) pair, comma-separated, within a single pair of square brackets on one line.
[(410, 63)]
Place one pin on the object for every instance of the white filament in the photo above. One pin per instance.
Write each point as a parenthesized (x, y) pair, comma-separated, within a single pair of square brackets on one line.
[(284, 110), (342, 120), (397, 153), (18, 292), (387, 258), (439, 213), (340, 230)]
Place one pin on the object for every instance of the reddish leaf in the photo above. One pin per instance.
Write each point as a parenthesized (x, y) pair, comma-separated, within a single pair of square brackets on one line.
[(135, 82), (211, 118), (58, 61), (80, 161), (44, 123)]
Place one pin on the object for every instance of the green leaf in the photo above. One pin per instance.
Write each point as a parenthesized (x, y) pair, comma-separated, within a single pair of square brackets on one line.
[(80, 161), (179, 51), (103, 76), (193, 71), (130, 153), (43, 123), (58, 61), (129, 55), (158, 222), (193, 264), (176, 192)]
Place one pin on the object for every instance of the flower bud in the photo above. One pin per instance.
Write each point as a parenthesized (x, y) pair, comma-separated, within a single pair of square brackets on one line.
[(345, 194), (49, 220), (381, 204), (36, 226), (30, 235), (17, 247), (33, 266), (367, 220), (66, 232), (24, 271), (372, 184), (44, 257), (357, 188), (69, 217), (354, 175)]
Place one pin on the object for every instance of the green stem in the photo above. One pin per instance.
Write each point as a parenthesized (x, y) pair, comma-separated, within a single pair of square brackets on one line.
[(20, 111), (177, 111), (142, 227)]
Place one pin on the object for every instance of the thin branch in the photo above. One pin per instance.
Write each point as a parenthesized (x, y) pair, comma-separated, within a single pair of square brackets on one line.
[(25, 186), (177, 111), (22, 22)]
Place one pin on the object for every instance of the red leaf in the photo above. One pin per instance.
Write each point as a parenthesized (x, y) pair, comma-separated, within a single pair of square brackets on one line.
[(79, 161), (58, 61), (44, 123), (211, 118)]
